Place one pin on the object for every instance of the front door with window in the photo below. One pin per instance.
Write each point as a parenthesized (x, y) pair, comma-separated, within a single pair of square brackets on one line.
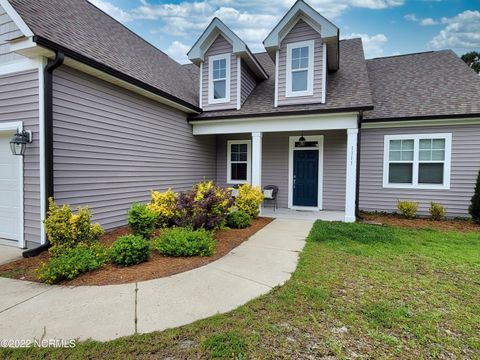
[(305, 178)]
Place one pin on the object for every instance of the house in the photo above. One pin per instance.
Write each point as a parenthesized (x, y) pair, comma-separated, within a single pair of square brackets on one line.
[(104, 117)]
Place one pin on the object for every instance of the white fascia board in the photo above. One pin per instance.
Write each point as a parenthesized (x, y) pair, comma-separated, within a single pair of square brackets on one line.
[(275, 124), (422, 123), (12, 13), (327, 28)]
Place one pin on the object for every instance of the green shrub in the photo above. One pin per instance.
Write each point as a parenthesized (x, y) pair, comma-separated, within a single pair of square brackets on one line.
[(474, 208), (249, 199), (142, 220), (239, 220), (185, 242), (130, 250), (65, 230), (72, 262), (437, 211), (408, 209)]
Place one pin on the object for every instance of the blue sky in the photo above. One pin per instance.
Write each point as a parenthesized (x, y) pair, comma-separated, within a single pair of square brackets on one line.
[(387, 27)]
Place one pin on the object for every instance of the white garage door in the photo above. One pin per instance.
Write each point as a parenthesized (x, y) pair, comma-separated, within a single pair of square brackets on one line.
[(9, 190)]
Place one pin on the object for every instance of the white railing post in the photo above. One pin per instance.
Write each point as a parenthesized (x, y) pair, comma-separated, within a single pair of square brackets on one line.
[(351, 175)]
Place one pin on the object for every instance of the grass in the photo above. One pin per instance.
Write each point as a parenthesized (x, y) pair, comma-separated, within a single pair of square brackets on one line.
[(359, 291)]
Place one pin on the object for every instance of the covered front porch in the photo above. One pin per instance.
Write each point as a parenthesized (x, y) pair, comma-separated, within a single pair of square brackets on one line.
[(311, 159)]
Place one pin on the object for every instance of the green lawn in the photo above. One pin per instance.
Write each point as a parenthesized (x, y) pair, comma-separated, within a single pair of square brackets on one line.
[(359, 290)]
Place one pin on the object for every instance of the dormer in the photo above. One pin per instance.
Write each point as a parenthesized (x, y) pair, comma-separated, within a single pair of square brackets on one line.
[(304, 46), (228, 69)]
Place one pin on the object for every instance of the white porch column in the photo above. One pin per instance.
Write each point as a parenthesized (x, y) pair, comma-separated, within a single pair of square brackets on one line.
[(351, 181), (257, 159)]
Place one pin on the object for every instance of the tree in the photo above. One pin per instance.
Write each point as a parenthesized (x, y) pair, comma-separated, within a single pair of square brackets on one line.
[(472, 59), (474, 208)]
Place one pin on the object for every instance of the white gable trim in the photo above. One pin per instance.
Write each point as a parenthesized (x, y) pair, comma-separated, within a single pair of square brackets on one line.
[(300, 9), (16, 18)]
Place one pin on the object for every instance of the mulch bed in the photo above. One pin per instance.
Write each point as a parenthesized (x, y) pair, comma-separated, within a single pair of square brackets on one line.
[(158, 266), (462, 225)]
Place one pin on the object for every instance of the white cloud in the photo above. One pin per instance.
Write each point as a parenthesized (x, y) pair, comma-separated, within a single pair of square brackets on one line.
[(373, 45), (112, 10), (411, 17), (428, 22), (462, 31), (178, 51)]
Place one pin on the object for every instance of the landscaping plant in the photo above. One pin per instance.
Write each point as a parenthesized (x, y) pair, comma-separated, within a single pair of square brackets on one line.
[(65, 230), (408, 209), (130, 250), (205, 206), (437, 211), (185, 242), (238, 220), (142, 220), (474, 208), (72, 262), (249, 199), (164, 205)]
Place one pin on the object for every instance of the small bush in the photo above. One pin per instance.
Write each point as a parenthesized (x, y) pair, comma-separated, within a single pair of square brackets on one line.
[(65, 230), (238, 220), (164, 204), (185, 242), (205, 206), (142, 220), (408, 209), (72, 262), (474, 208), (130, 250), (437, 211), (249, 199)]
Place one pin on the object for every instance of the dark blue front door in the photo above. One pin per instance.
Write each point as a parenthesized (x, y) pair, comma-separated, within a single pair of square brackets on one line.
[(305, 178)]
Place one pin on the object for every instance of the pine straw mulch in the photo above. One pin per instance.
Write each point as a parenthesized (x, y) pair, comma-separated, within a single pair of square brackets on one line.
[(462, 225), (158, 266)]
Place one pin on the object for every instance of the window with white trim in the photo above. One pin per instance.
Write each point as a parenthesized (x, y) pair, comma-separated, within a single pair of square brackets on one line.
[(238, 161), (219, 79), (300, 68), (417, 161)]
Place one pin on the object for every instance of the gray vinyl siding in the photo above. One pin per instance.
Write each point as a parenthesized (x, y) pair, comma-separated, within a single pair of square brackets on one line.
[(8, 31), (220, 46), (465, 165), (111, 147), (275, 164), (19, 102), (248, 82), (301, 32)]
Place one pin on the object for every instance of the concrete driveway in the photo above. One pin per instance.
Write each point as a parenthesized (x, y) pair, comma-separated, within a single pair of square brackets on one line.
[(9, 253), (31, 310)]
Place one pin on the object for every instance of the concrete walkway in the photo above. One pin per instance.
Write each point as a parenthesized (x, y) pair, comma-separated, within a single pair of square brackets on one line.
[(9, 253), (31, 310)]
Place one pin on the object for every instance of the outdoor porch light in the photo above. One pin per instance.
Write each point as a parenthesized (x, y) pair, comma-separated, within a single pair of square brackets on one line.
[(301, 141), (20, 141)]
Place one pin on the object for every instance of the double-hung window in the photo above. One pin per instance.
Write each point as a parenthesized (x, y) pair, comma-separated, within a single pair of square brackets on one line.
[(300, 68), (238, 161), (417, 161), (219, 79)]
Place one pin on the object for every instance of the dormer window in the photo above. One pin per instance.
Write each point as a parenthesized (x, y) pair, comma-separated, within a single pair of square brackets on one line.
[(219, 79), (300, 69)]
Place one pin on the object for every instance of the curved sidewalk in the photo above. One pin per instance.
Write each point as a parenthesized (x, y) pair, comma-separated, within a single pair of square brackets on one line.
[(31, 310)]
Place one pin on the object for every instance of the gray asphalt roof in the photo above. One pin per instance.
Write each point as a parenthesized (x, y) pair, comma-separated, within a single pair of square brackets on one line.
[(424, 84), (83, 28), (346, 88)]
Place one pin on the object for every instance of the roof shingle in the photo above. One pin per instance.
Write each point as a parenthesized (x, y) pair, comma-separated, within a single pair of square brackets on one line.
[(81, 27), (425, 84)]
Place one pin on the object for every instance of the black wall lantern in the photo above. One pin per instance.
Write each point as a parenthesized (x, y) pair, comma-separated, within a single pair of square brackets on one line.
[(301, 141), (19, 141)]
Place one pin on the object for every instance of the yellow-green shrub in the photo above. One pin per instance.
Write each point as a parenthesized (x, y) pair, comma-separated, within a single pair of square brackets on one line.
[(164, 204), (408, 209), (249, 199), (65, 230), (437, 211)]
